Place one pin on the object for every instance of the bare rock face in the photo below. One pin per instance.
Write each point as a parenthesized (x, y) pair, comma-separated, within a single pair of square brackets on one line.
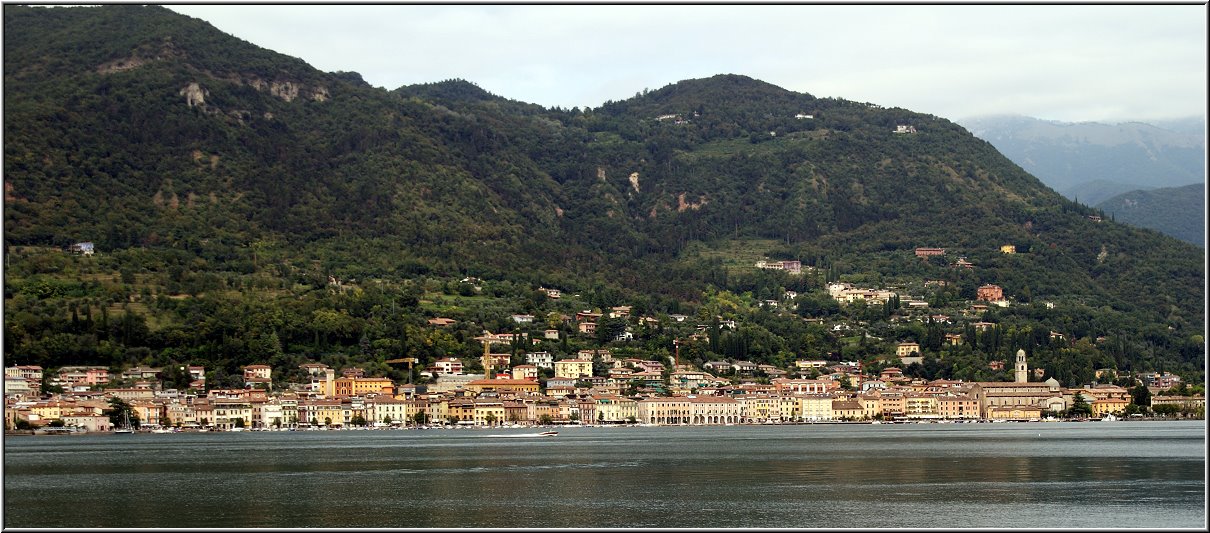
[(194, 94), (286, 90), (142, 55)]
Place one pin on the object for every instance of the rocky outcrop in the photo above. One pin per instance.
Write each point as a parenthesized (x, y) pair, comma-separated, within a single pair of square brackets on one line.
[(194, 95), (289, 90), (142, 55)]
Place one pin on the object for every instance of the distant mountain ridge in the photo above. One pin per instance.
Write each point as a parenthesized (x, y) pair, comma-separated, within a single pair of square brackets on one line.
[(1091, 161), (1176, 211)]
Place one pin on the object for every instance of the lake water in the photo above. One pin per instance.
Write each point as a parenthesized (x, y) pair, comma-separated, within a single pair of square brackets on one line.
[(1037, 475)]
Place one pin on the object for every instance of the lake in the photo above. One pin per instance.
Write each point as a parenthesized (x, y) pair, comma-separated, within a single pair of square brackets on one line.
[(1036, 475)]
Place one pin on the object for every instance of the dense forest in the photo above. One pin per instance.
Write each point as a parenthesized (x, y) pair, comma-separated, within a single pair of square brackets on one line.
[(247, 208), (1176, 211)]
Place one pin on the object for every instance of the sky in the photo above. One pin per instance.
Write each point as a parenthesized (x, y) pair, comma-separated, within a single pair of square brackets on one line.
[(1071, 63)]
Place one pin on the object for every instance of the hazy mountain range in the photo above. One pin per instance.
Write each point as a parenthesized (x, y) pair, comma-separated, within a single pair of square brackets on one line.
[(1091, 162), (1110, 165)]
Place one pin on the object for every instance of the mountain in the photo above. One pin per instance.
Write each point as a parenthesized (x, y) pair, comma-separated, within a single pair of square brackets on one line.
[(1176, 211), (246, 207), (1091, 162)]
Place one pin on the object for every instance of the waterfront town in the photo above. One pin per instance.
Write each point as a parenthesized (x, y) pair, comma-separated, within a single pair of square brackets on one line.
[(590, 386), (573, 396)]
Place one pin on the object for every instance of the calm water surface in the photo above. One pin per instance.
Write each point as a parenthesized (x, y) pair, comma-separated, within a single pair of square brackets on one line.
[(1038, 475)]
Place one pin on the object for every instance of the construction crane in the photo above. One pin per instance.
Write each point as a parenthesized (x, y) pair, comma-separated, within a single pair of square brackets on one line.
[(409, 360)]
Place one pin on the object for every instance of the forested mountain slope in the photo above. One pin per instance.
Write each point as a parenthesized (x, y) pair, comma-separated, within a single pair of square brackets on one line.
[(1176, 211), (225, 185)]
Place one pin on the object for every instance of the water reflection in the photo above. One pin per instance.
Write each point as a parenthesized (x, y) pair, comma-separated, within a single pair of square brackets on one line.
[(1033, 475)]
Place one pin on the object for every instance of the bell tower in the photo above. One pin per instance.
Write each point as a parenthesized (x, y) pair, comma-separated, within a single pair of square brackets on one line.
[(1022, 368)]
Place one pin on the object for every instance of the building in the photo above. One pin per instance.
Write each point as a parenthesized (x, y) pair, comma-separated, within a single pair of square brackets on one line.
[(905, 349), (258, 375), (671, 410), (573, 368), (447, 366), (540, 359), (356, 386), (1045, 395), (1008, 249), (529, 372), (990, 293), (928, 252), (480, 386), (1021, 368)]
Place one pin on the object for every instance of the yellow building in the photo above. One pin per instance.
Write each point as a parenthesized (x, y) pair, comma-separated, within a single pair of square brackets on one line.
[(503, 385), (228, 413), (1008, 249), (847, 410), (920, 406), (345, 387), (573, 368), (905, 349), (791, 408), (1109, 405), (460, 410), (816, 407), (714, 410), (488, 412), (871, 404), (615, 409), (664, 410), (1014, 412), (759, 408), (321, 412)]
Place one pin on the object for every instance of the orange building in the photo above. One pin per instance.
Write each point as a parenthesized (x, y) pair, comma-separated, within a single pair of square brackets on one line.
[(990, 293), (350, 386)]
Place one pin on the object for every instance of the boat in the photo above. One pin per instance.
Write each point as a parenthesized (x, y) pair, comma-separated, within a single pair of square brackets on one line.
[(548, 433), (1109, 418), (125, 429)]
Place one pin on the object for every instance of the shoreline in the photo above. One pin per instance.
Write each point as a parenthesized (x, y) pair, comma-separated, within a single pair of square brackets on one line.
[(44, 433)]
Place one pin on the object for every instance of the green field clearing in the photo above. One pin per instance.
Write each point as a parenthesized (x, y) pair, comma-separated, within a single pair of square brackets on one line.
[(737, 255)]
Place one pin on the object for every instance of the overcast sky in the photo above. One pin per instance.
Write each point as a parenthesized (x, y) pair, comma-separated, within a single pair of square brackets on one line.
[(1070, 63)]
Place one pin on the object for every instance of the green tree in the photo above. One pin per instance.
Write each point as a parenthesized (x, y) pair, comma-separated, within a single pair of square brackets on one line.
[(1141, 396), (118, 413), (1079, 407)]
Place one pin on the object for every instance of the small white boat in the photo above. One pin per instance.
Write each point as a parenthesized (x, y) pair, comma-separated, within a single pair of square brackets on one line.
[(1109, 418), (125, 429)]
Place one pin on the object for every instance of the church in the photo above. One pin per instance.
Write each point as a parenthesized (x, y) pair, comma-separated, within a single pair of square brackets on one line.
[(1019, 399)]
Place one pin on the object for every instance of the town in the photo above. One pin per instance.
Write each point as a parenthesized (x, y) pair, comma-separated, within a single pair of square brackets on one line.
[(603, 384)]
